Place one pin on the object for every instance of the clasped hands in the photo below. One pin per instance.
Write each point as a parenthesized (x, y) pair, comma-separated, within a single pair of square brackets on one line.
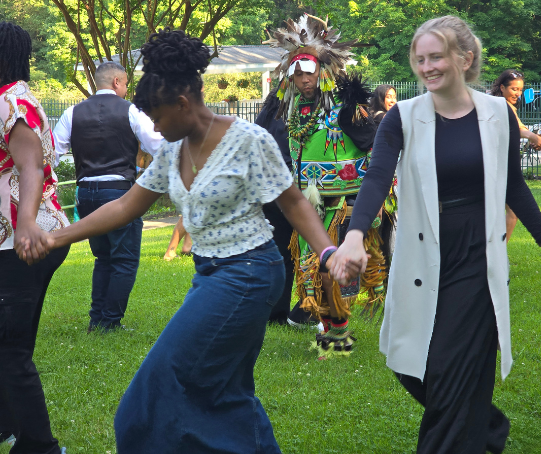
[(535, 142), (31, 243), (350, 260)]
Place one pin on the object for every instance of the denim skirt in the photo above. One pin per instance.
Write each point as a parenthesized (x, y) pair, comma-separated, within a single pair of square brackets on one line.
[(194, 392)]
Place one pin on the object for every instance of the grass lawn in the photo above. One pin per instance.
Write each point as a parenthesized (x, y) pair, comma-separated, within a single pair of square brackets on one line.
[(345, 406)]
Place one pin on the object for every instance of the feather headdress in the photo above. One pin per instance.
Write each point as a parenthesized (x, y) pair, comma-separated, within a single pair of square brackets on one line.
[(310, 35)]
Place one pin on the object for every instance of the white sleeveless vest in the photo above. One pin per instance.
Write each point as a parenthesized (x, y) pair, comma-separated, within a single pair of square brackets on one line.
[(409, 308)]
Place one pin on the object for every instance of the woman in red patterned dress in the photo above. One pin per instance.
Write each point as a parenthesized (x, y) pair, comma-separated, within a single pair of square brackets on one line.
[(27, 206)]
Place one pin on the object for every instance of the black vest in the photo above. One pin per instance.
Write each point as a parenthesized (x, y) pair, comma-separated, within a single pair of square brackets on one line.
[(102, 140)]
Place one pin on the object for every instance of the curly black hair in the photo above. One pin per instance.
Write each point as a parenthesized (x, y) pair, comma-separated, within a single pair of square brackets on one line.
[(172, 64), (505, 78), (15, 50)]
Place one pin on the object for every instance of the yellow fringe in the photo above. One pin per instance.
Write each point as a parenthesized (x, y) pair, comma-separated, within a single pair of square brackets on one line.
[(338, 219), (295, 256), (315, 303), (342, 308), (374, 304), (375, 274), (294, 245)]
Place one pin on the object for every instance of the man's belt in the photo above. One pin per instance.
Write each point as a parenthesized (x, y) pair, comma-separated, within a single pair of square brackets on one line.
[(121, 184), (446, 204)]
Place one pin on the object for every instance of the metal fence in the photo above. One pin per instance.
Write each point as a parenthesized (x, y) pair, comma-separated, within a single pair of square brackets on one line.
[(248, 110), (530, 114), (55, 108)]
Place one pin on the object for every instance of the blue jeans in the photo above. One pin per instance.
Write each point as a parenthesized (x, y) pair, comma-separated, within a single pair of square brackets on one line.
[(117, 259), (194, 392)]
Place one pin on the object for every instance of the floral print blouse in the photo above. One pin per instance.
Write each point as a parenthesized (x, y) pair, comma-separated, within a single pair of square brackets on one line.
[(18, 102), (222, 210)]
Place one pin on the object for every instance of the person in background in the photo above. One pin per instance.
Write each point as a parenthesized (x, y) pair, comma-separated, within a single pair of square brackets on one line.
[(384, 98), (282, 228), (447, 307), (27, 206), (330, 136), (179, 232), (104, 133), (382, 101), (510, 85)]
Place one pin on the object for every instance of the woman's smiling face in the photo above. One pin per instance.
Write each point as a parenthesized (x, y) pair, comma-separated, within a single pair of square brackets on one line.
[(513, 91), (390, 99), (435, 66)]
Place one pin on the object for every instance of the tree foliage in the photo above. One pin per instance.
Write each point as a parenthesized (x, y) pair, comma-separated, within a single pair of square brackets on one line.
[(67, 32), (509, 30), (103, 28)]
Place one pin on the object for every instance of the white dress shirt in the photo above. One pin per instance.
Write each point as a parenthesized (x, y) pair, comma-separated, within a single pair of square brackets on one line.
[(140, 123)]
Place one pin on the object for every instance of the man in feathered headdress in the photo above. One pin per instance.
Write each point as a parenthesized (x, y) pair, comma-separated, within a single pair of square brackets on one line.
[(330, 136)]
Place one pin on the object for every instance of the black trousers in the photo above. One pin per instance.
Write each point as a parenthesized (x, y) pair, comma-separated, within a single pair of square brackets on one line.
[(459, 380), (22, 403), (282, 238)]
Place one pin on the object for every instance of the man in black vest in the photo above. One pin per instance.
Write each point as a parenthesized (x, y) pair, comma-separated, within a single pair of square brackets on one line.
[(104, 132)]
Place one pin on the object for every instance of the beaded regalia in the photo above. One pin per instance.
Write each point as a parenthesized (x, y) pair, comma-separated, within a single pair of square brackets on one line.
[(329, 162)]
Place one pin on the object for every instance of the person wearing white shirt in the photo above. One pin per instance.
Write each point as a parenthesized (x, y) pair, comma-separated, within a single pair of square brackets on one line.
[(104, 133)]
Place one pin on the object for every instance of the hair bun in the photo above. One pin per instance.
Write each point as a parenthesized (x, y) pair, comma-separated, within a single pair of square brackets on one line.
[(173, 52)]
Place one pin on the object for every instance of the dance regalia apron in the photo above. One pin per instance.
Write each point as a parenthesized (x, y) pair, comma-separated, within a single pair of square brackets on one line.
[(329, 169)]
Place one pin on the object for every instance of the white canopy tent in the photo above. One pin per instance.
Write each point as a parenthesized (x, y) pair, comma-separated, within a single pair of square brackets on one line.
[(231, 59)]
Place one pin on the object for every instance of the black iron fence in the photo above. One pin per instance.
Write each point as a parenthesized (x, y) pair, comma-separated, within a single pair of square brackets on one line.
[(530, 114), (54, 109), (248, 110)]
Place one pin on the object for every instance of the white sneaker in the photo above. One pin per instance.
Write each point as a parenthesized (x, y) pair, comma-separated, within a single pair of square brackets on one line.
[(63, 451)]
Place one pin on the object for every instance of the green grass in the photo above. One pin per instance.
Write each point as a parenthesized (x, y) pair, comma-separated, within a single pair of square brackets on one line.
[(350, 406)]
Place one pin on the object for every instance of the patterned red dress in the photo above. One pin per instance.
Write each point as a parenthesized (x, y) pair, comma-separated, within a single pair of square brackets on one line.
[(18, 102)]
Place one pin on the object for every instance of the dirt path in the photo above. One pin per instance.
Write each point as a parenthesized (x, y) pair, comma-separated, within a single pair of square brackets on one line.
[(157, 223)]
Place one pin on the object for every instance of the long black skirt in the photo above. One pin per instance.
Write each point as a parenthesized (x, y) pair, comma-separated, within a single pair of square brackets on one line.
[(459, 379)]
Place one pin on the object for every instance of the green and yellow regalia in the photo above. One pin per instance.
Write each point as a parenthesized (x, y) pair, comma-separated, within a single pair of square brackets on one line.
[(328, 163), (329, 167)]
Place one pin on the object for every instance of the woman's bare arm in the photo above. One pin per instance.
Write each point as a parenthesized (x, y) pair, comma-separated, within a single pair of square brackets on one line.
[(27, 153), (108, 217)]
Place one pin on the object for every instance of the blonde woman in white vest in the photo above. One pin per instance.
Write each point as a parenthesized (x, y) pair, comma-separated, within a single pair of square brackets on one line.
[(447, 306)]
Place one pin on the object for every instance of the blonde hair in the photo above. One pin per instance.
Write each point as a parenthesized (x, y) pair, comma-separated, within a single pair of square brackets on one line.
[(458, 39)]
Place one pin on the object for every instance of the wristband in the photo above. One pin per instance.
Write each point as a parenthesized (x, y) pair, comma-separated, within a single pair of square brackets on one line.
[(327, 252), (334, 248)]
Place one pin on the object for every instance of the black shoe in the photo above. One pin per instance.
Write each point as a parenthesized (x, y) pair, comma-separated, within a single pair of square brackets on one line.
[(91, 328), (301, 319), (278, 318), (114, 328)]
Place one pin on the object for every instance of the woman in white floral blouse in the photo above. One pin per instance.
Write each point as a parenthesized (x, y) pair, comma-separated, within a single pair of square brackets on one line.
[(194, 393)]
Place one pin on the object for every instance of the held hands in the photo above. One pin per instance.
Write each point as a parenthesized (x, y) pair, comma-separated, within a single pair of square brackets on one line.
[(31, 243), (535, 142), (350, 260)]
